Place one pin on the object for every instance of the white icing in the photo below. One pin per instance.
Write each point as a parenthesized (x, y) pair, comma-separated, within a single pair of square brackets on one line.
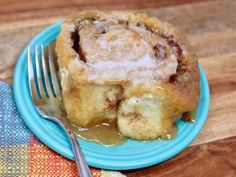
[(146, 61), (125, 53)]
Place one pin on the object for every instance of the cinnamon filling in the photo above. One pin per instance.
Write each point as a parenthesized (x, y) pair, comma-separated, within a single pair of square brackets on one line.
[(75, 38), (181, 68), (160, 51)]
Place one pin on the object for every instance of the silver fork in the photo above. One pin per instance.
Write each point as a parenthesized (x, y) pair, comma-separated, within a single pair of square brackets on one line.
[(46, 95)]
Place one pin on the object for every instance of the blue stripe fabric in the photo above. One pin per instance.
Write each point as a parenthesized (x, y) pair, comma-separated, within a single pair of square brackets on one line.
[(13, 130)]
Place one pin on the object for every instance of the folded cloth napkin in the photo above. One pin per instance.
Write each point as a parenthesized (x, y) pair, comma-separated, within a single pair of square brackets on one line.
[(22, 154)]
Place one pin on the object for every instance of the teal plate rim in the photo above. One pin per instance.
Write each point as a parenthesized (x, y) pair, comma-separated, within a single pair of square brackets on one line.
[(130, 155)]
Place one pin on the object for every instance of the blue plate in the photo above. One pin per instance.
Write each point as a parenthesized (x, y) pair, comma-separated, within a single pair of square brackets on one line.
[(130, 155)]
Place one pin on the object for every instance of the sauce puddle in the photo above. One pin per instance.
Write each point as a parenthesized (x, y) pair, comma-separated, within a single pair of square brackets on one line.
[(170, 133), (108, 134), (104, 134), (190, 116)]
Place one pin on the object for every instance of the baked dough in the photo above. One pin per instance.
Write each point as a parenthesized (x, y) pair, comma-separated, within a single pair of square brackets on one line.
[(127, 68)]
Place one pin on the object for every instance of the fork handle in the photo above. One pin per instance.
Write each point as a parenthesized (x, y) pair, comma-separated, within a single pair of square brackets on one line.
[(81, 163)]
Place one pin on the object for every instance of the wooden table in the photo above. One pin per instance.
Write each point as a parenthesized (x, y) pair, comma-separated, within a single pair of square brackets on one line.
[(210, 27)]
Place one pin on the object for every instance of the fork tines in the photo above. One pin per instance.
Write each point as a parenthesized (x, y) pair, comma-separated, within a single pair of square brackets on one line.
[(42, 76)]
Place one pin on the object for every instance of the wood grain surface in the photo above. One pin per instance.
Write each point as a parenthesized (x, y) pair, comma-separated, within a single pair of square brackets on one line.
[(210, 27), (216, 159)]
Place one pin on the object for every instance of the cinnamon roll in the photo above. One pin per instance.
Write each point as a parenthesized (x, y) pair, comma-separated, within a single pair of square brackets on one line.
[(126, 68)]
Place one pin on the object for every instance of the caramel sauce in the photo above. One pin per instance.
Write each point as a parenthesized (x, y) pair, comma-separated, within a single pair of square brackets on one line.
[(169, 128), (170, 133), (105, 134), (108, 134), (190, 116)]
